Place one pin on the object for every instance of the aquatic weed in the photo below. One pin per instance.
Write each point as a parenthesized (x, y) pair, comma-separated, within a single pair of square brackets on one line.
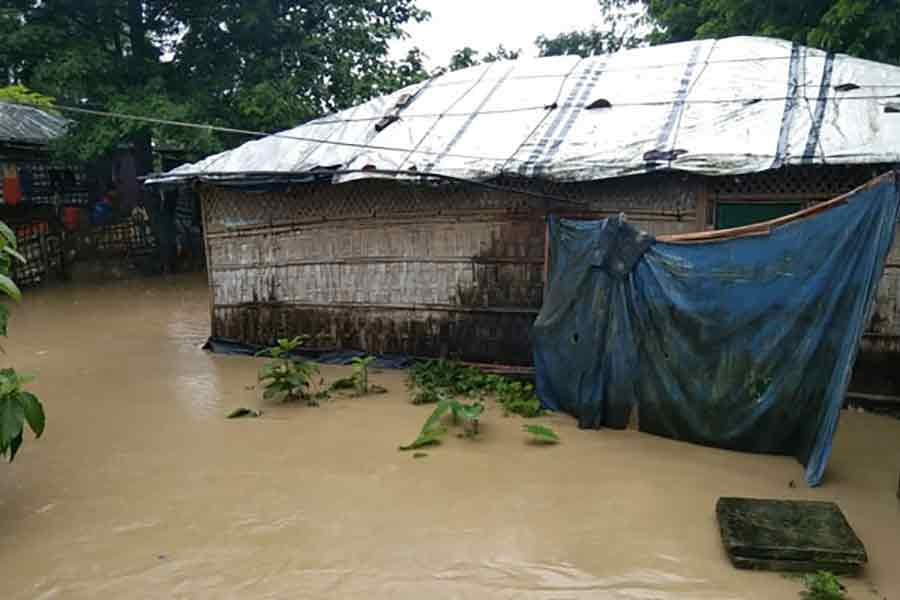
[(433, 429), (429, 381), (823, 586), (541, 434)]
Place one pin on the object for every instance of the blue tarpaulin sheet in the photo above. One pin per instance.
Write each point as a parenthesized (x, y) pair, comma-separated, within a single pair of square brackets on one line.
[(744, 343)]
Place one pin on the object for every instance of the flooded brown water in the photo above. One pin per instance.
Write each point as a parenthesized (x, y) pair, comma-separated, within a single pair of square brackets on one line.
[(141, 489)]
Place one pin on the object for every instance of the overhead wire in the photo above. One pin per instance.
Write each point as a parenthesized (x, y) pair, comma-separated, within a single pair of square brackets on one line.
[(366, 146)]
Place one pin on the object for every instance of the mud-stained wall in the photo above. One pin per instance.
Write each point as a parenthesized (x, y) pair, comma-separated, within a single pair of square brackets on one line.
[(383, 267), (448, 271)]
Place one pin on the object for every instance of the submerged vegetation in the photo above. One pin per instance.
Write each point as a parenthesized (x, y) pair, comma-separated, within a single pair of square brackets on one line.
[(17, 407), (240, 413), (541, 434), (442, 382), (823, 586), (434, 429), (432, 380), (286, 378), (358, 382)]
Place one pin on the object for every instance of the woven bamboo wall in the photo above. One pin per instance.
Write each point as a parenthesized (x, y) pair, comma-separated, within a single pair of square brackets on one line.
[(451, 271), (384, 267)]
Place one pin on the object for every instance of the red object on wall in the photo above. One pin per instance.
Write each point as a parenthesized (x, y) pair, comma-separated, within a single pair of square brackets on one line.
[(12, 190), (71, 217)]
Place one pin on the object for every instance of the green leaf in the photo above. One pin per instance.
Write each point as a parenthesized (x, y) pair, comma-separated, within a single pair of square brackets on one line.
[(434, 420), (470, 412), (426, 438), (244, 412), (345, 383), (14, 253), (272, 392), (14, 446), (12, 416), (7, 235), (34, 412), (8, 287), (541, 434)]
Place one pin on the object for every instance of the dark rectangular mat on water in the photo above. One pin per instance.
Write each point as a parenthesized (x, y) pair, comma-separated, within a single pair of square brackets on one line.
[(787, 535)]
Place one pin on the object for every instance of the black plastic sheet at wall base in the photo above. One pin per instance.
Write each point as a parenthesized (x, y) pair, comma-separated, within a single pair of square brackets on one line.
[(323, 356)]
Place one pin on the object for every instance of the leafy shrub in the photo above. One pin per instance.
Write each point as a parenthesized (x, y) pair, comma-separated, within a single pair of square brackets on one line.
[(17, 407), (361, 373), (286, 379), (358, 382)]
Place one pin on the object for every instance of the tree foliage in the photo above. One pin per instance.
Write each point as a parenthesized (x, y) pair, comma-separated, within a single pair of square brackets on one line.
[(19, 94), (469, 57), (863, 28), (626, 24), (250, 64)]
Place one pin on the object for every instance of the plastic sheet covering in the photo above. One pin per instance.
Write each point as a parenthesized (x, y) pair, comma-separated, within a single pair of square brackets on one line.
[(26, 124), (325, 357), (744, 343), (712, 107)]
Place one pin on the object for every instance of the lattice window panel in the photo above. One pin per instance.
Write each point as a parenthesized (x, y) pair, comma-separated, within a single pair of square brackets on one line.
[(812, 182), (230, 209)]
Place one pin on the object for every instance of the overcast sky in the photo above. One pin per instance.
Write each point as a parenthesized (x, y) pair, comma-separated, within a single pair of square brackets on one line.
[(483, 24)]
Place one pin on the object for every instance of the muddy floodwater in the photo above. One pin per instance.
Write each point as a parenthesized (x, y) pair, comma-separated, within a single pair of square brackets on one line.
[(140, 488)]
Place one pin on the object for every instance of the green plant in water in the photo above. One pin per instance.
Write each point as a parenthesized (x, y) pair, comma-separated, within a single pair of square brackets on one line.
[(541, 434), (429, 381), (358, 382), (361, 373), (433, 429), (17, 407), (823, 586), (518, 398), (285, 379)]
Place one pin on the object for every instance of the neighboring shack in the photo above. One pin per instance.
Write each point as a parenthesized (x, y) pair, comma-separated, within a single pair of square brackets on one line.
[(47, 203), (681, 138)]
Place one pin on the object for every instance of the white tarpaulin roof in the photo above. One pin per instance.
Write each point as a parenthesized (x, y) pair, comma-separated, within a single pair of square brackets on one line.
[(712, 107)]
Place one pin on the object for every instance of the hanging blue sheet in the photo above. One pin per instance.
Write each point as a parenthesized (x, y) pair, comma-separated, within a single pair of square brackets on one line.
[(744, 343)]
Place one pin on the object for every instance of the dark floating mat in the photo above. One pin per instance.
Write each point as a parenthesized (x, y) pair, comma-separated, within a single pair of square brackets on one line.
[(787, 535)]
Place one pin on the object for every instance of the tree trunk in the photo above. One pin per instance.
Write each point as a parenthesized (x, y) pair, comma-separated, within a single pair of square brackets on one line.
[(141, 55)]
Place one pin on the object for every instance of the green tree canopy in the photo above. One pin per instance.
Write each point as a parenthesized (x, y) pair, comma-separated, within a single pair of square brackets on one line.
[(626, 24), (863, 28), (250, 64), (469, 57)]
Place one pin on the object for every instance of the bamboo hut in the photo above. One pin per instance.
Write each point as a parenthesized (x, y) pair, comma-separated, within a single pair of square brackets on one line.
[(416, 223)]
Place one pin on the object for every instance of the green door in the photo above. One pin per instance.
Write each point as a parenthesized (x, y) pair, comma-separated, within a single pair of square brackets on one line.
[(738, 214)]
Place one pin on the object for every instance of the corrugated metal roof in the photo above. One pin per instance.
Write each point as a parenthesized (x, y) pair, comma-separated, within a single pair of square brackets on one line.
[(713, 107), (29, 125)]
